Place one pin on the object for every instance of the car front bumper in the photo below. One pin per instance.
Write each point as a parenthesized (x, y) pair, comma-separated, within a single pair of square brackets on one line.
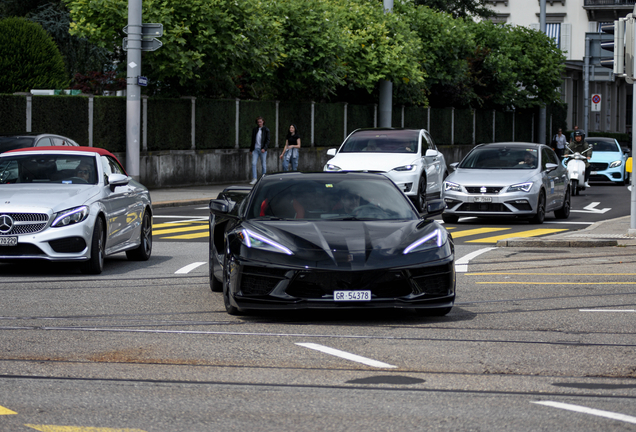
[(501, 204)]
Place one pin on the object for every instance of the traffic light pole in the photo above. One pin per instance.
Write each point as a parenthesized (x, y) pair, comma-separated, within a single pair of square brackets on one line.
[(632, 224), (133, 96)]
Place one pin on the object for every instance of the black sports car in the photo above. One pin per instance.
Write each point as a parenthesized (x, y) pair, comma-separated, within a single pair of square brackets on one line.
[(328, 240)]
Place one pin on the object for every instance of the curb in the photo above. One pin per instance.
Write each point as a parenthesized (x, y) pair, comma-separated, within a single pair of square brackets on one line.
[(164, 204), (532, 242)]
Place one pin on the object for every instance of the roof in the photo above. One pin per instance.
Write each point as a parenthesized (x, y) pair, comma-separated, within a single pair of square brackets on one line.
[(100, 151)]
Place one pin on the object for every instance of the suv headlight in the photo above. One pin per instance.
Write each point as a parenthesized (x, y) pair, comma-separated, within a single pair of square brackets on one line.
[(616, 164), (450, 186), (70, 216), (332, 167), (406, 168), (520, 187)]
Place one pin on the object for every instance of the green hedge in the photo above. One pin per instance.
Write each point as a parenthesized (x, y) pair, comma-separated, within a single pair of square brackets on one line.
[(109, 123), (359, 116), (249, 110), (525, 120), (215, 123), (12, 114), (329, 124), (63, 115), (169, 124), (415, 117), (463, 127)]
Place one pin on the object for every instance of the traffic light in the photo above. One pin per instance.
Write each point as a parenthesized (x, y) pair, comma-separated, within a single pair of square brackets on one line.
[(616, 45)]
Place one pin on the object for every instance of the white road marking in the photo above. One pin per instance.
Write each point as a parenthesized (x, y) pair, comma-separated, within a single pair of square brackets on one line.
[(346, 355), (591, 208), (189, 268), (591, 411), (461, 265), (607, 310)]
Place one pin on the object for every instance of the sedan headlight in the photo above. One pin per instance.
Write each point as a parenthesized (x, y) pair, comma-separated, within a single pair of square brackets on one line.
[(332, 167), (432, 240), (406, 168), (450, 186), (616, 164), (521, 187), (70, 217), (257, 241)]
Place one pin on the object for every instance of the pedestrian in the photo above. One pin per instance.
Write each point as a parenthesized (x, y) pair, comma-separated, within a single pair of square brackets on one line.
[(572, 133), (258, 147), (292, 149), (579, 145), (559, 142)]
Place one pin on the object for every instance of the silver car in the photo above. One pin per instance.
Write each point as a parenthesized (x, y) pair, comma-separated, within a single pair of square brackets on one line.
[(71, 204), (507, 179)]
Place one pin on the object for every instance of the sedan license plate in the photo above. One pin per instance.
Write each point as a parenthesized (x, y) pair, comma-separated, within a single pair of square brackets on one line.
[(352, 295), (483, 199), (593, 172), (8, 241)]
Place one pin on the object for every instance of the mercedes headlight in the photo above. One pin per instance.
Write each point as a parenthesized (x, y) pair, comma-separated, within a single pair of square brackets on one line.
[(70, 216), (432, 240), (257, 241), (332, 167), (616, 164), (520, 187)]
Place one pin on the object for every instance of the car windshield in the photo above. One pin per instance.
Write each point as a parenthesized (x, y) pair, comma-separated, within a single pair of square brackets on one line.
[(329, 199), (383, 141), (501, 158), (47, 168), (10, 143), (604, 146)]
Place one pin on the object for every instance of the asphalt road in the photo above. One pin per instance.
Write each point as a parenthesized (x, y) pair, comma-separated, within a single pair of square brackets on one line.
[(538, 340)]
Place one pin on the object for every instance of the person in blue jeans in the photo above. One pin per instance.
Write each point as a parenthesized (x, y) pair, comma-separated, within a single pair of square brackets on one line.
[(258, 147), (291, 151)]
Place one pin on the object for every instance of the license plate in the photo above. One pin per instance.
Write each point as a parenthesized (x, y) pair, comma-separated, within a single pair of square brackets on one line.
[(352, 295), (8, 241), (484, 199), (593, 172)]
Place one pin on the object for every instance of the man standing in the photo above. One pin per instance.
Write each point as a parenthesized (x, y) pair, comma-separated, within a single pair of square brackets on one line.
[(258, 147)]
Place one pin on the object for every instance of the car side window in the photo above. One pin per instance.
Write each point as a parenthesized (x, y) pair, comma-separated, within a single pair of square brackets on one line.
[(548, 156), (111, 166), (425, 144), (43, 142)]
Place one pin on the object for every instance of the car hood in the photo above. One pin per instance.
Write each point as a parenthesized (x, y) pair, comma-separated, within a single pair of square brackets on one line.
[(43, 198), (350, 244), (607, 157), (494, 177), (364, 161)]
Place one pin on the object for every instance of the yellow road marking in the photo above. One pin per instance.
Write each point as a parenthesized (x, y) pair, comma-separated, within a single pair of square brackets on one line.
[(175, 224), (558, 283), (180, 229), (189, 236), (531, 233), (6, 411), (458, 234), (54, 428)]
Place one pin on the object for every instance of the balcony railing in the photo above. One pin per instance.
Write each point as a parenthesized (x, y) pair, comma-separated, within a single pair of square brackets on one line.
[(609, 3)]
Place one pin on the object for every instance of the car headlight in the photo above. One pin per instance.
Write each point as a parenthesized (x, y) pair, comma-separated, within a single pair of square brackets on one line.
[(432, 240), (257, 241), (332, 167), (521, 187), (450, 186), (406, 168), (616, 164), (70, 216)]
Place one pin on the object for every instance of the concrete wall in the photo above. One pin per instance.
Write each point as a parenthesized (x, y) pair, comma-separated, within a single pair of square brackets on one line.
[(178, 168)]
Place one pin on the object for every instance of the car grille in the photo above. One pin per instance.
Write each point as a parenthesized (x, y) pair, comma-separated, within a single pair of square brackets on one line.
[(21, 249), (599, 166), (68, 245), (484, 207), (260, 281), (26, 223), (489, 189)]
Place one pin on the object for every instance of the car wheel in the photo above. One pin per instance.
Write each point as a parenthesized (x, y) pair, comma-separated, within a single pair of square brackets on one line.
[(226, 289), (539, 217), (421, 195), (451, 219), (95, 265), (215, 284), (144, 250), (575, 187), (564, 212)]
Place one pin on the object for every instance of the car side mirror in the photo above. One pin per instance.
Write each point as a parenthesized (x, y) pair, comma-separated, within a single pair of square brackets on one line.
[(331, 152), (454, 165), (219, 206), (115, 180), (550, 167), (431, 153), (435, 208)]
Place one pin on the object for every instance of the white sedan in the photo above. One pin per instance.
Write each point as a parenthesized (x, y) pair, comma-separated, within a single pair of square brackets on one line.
[(72, 204), (409, 157)]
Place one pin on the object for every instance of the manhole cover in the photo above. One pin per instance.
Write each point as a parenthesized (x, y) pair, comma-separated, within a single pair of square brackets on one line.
[(387, 379)]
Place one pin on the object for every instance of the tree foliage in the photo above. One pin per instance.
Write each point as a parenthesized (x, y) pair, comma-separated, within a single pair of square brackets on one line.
[(29, 59), (460, 8)]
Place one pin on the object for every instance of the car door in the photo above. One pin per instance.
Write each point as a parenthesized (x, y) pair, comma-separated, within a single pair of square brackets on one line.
[(432, 165), (123, 215), (555, 180)]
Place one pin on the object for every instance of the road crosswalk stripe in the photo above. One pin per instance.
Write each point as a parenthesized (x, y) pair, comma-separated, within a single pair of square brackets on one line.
[(530, 233), (189, 236), (464, 233), (179, 230)]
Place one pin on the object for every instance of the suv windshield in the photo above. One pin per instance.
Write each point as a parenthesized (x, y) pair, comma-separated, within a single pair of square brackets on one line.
[(501, 158), (382, 141)]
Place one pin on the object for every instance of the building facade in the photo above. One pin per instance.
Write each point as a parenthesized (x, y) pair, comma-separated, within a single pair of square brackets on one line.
[(575, 27)]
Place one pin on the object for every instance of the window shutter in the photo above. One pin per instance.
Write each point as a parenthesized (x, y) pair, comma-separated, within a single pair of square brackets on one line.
[(566, 40)]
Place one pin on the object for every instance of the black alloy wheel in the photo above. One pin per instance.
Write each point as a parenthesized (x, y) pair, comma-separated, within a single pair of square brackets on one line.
[(232, 310), (95, 264), (421, 195), (539, 217), (144, 250)]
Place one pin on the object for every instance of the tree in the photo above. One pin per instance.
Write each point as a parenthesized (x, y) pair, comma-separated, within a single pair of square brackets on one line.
[(29, 59), (459, 8)]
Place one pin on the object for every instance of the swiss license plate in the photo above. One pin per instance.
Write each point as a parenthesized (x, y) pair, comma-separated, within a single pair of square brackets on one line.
[(483, 199), (8, 241), (593, 173), (352, 295)]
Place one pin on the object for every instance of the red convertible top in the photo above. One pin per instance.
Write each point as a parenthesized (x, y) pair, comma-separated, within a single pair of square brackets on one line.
[(100, 151)]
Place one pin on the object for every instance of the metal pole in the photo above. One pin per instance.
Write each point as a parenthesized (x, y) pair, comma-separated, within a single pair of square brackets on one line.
[(632, 224), (542, 110), (386, 87), (586, 87), (133, 97)]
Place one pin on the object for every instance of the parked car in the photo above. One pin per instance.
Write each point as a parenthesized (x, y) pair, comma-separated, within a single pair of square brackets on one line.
[(11, 142), (328, 241), (507, 179), (608, 160), (72, 204), (409, 157)]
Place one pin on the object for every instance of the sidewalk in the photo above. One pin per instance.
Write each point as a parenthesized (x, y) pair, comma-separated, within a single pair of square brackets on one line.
[(613, 232)]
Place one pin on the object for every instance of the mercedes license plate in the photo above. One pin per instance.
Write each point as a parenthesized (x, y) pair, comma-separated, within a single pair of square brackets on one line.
[(352, 295), (8, 241), (483, 199), (593, 172)]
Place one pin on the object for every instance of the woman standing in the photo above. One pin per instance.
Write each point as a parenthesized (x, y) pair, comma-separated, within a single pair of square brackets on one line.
[(291, 150)]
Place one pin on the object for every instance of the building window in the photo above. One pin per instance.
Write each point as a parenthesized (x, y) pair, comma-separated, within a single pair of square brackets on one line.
[(553, 30)]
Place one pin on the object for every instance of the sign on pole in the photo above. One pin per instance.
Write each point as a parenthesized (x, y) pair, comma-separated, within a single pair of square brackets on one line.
[(596, 102)]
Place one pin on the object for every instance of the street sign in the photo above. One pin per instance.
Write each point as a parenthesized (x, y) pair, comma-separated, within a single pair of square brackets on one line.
[(149, 30), (146, 44), (142, 81), (596, 102)]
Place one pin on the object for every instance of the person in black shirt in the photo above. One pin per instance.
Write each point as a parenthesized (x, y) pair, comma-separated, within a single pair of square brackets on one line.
[(291, 151)]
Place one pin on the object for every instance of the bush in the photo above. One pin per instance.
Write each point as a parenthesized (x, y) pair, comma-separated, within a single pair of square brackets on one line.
[(29, 59)]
